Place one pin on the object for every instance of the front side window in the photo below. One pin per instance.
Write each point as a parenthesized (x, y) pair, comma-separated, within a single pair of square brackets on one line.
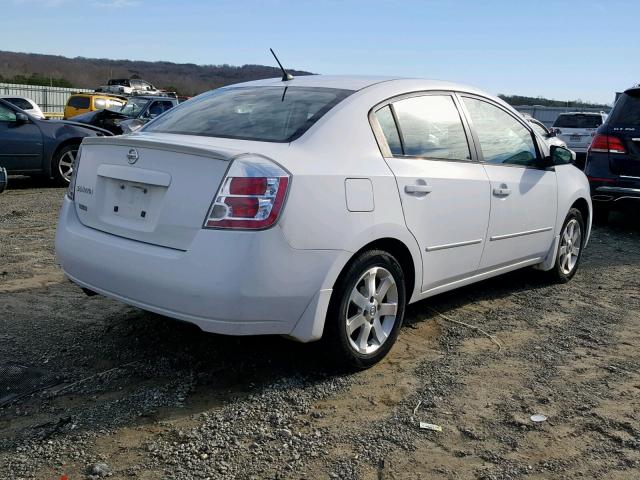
[(503, 139), (6, 114), (390, 130), (431, 127), (268, 114)]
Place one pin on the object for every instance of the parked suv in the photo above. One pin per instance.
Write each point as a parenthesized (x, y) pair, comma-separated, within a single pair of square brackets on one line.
[(613, 160), (577, 129), (320, 207)]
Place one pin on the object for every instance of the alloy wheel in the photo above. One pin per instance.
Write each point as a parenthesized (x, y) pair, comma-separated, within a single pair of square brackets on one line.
[(570, 244), (65, 165), (371, 312)]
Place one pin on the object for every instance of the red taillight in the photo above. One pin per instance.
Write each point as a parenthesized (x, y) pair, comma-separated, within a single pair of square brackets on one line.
[(607, 144), (248, 186), (251, 195), (242, 207)]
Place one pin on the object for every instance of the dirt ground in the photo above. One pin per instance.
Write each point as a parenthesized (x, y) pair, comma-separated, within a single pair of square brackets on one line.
[(91, 388)]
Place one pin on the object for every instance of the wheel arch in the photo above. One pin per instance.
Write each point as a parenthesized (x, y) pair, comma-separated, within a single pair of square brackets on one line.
[(583, 206), (399, 250)]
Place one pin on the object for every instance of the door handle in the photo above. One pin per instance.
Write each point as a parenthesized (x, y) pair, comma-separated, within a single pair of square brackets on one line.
[(502, 191), (417, 189)]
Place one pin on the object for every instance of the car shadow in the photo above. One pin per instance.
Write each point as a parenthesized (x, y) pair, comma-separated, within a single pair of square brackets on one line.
[(20, 182)]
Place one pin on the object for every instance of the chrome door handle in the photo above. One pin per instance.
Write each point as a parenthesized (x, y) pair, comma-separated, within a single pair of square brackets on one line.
[(417, 189), (502, 191)]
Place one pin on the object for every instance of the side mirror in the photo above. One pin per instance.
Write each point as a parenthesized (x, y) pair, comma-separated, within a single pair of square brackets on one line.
[(552, 133), (561, 156), (21, 118)]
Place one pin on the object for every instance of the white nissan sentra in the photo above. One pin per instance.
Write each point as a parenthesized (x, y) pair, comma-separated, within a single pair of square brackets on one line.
[(319, 207)]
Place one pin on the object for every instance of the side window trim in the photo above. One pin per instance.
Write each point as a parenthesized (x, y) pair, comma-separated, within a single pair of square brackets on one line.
[(476, 140), (382, 140), (398, 128)]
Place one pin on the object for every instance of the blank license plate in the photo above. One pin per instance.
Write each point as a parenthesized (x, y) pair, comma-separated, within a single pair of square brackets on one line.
[(131, 200)]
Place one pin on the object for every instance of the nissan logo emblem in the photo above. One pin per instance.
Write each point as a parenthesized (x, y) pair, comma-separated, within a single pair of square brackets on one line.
[(132, 156)]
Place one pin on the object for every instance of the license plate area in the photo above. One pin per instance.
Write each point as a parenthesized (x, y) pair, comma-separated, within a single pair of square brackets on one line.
[(575, 138), (133, 205), (132, 200)]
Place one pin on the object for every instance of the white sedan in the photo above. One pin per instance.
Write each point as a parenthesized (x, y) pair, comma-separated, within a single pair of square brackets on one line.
[(319, 207), (25, 104)]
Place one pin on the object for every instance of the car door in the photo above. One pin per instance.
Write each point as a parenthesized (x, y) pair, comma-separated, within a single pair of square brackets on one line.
[(443, 189), (20, 143), (523, 196)]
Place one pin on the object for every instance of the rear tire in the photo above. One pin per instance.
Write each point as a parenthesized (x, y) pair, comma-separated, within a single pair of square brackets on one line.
[(366, 310), (63, 164), (570, 246)]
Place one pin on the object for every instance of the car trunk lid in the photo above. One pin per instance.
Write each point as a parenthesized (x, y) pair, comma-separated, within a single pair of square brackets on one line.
[(154, 190)]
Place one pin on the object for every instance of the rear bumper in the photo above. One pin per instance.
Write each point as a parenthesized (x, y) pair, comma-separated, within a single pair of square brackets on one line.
[(235, 283), (614, 196)]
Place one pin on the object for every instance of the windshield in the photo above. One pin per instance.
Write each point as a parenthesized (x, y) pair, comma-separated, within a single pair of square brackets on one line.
[(627, 110), (133, 107), (578, 120), (269, 114)]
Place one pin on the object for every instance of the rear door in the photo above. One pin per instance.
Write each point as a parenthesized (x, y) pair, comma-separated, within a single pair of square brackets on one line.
[(523, 197), (20, 143), (443, 189), (625, 124)]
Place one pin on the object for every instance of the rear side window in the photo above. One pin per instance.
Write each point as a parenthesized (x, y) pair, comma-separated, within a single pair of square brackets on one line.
[(431, 127), (503, 139), (627, 110), (20, 103), (390, 130), (268, 114), (579, 120), (79, 102)]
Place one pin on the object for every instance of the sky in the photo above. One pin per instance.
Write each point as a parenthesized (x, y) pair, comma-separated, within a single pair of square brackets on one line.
[(557, 49)]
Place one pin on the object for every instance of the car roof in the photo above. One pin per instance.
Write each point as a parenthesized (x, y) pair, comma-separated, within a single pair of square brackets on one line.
[(360, 82), (152, 97)]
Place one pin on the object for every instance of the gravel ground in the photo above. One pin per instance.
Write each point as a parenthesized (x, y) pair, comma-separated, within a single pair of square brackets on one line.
[(91, 388)]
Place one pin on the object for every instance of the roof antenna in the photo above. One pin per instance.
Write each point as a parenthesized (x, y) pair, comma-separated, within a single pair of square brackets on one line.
[(285, 75)]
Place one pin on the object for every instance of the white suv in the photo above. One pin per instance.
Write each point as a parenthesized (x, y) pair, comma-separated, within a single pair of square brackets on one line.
[(319, 207), (577, 129)]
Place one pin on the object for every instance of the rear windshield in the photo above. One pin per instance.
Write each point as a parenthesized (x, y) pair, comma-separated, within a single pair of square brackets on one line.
[(20, 103), (578, 121), (627, 109), (268, 114)]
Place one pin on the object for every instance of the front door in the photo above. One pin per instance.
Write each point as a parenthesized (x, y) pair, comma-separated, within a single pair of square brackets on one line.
[(523, 196), (20, 143), (444, 191)]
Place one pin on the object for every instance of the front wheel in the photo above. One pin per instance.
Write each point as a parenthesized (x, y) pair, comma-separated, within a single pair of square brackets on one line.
[(63, 164), (366, 310), (570, 246)]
